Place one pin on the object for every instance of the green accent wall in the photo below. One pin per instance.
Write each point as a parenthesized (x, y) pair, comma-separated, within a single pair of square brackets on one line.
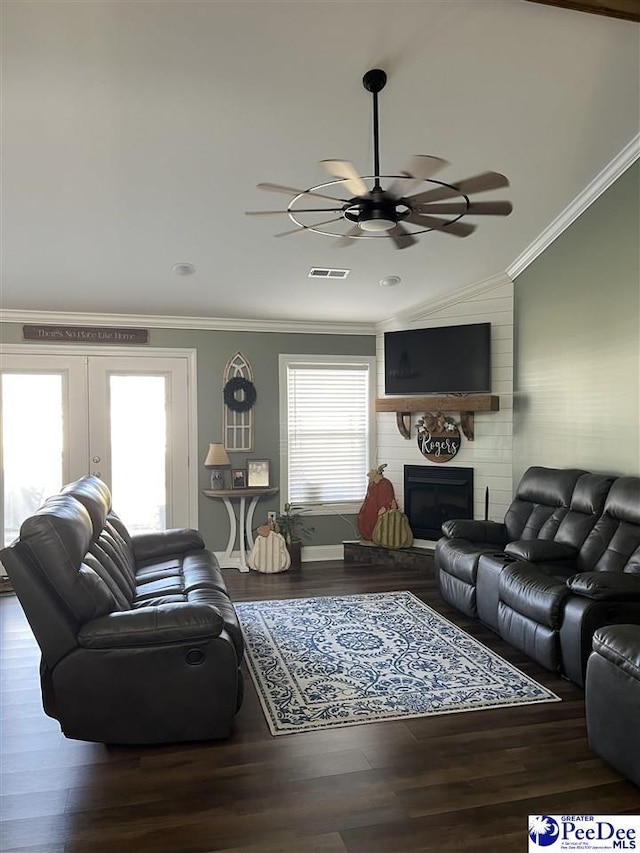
[(261, 349), (577, 342)]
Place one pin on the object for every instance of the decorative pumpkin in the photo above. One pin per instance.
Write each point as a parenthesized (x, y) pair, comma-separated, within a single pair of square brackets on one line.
[(269, 553), (392, 529), (380, 495)]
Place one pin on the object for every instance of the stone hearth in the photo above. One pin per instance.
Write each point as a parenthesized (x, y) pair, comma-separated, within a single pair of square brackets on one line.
[(359, 552)]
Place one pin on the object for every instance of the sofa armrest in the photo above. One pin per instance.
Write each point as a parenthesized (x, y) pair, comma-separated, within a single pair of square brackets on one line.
[(581, 619), (604, 586), (491, 532), (165, 543), (152, 626), (540, 550)]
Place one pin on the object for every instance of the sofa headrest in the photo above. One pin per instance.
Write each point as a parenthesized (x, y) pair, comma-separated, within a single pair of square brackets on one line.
[(548, 486), (60, 518), (623, 501), (93, 493), (57, 538), (590, 494)]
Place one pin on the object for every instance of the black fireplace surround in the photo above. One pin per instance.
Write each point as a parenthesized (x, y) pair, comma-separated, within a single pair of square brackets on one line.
[(433, 495)]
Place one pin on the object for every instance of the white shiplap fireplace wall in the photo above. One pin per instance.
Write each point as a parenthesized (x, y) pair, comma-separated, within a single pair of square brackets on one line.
[(490, 454)]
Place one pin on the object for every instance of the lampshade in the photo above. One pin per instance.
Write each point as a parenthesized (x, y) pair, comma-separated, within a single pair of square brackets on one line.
[(217, 457)]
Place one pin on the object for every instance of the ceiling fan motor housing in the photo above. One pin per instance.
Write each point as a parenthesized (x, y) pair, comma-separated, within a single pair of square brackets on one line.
[(376, 212)]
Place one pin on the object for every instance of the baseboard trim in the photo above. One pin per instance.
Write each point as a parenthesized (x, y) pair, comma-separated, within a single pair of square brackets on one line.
[(310, 554), (316, 553)]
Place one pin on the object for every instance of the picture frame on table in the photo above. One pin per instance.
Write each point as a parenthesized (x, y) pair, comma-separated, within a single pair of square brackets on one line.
[(238, 478), (258, 473)]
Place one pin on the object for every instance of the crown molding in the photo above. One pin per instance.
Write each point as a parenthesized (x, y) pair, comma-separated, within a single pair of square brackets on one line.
[(218, 324), (626, 158), (471, 291)]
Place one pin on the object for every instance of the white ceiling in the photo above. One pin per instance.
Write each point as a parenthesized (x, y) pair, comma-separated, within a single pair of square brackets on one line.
[(134, 134)]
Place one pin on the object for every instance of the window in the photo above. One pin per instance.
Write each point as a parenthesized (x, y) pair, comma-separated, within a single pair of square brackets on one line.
[(327, 429)]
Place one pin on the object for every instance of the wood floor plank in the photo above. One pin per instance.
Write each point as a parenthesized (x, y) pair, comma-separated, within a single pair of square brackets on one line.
[(458, 782)]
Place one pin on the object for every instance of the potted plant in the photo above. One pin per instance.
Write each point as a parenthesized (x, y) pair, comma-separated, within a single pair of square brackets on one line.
[(291, 525)]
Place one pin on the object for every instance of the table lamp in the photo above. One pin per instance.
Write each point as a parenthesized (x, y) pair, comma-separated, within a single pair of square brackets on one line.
[(217, 460)]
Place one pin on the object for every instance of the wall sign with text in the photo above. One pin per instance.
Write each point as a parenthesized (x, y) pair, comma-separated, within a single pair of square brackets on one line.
[(438, 437), (85, 334)]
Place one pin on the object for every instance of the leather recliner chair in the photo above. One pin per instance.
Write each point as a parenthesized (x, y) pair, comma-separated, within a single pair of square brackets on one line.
[(558, 554), (612, 698), (140, 642), (541, 501), (551, 611)]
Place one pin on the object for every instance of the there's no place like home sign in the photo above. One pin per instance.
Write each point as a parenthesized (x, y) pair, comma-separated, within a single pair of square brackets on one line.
[(85, 334)]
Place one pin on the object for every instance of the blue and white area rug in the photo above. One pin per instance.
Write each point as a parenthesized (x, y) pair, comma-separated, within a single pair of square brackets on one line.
[(319, 663)]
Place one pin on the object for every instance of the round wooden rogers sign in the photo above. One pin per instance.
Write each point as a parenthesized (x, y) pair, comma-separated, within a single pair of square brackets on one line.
[(438, 437)]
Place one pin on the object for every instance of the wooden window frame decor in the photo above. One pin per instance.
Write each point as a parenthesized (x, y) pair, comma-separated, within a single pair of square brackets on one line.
[(256, 469), (238, 478), (239, 396)]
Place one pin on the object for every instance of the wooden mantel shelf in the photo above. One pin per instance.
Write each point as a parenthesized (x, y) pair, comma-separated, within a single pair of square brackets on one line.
[(467, 405)]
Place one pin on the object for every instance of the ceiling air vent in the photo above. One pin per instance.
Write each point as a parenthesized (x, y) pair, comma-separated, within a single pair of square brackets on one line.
[(325, 272)]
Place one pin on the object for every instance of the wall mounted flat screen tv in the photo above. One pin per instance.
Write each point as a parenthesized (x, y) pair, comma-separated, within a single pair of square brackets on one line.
[(442, 360)]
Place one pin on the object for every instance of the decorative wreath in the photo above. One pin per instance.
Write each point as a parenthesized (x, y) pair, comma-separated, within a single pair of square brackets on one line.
[(233, 386)]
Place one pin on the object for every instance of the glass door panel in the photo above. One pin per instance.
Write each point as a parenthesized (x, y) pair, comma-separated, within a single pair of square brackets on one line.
[(138, 423), (43, 432), (32, 445), (139, 438)]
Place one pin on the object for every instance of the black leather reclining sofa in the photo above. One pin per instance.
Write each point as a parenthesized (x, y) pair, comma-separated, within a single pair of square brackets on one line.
[(565, 561), (140, 642)]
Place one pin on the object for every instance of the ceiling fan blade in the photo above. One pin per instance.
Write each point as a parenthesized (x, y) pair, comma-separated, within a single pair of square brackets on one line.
[(347, 172), (421, 167), (457, 229), (401, 237), (307, 227), (347, 239), (477, 208), (295, 210), (478, 183), (277, 188)]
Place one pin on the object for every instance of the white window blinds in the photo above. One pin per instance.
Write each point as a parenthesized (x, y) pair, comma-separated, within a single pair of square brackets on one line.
[(327, 441)]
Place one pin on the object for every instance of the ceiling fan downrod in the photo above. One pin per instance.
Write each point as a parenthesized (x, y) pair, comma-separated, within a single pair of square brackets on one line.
[(374, 81), (378, 215)]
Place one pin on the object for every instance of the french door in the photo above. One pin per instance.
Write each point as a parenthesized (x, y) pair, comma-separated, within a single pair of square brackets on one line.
[(128, 418)]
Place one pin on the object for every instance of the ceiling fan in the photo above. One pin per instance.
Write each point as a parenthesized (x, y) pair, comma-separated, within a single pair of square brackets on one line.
[(380, 212)]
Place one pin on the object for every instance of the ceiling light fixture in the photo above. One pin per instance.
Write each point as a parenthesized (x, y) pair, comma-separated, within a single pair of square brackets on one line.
[(390, 280), (183, 269)]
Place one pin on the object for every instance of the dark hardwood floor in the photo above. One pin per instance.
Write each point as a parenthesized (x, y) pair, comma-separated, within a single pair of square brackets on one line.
[(461, 782)]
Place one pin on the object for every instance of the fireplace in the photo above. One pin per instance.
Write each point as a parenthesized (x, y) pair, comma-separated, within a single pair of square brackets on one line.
[(433, 494)]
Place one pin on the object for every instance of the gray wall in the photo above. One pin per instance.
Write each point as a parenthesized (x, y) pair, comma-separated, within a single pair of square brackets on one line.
[(261, 349), (577, 342)]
